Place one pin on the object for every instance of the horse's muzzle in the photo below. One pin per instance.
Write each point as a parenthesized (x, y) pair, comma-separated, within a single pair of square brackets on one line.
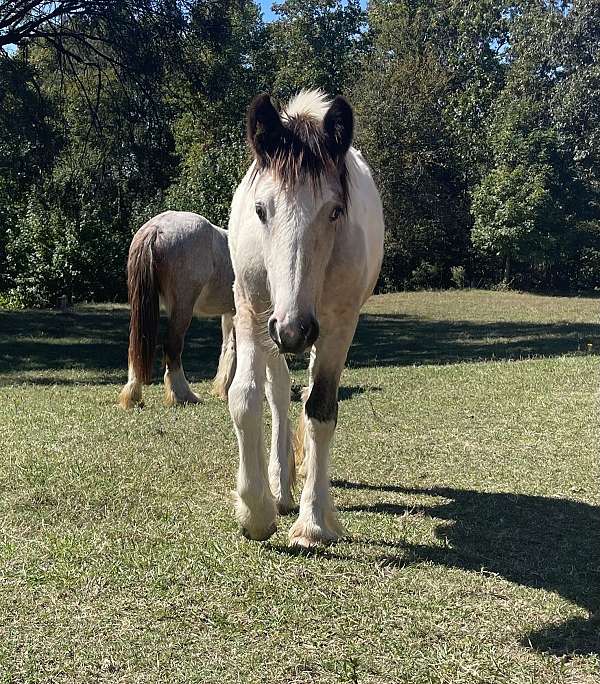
[(293, 336)]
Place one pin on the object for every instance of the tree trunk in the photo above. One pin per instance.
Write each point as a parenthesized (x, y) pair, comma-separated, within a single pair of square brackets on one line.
[(507, 268)]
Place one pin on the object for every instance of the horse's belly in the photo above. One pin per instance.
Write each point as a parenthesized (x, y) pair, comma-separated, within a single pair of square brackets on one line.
[(215, 300)]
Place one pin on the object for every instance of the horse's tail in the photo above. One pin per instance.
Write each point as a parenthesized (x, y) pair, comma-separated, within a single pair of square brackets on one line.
[(299, 437), (143, 302)]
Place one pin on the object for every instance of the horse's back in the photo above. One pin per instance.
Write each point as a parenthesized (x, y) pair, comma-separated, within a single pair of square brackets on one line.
[(192, 260), (184, 239), (367, 210)]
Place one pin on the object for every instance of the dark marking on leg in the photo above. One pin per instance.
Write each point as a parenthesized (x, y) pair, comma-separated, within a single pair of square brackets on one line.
[(322, 404)]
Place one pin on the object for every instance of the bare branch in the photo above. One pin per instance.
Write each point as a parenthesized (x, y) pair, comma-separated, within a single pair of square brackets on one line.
[(19, 19)]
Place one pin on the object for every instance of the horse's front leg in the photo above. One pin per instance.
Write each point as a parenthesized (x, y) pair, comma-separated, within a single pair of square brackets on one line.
[(317, 521), (282, 470), (254, 504)]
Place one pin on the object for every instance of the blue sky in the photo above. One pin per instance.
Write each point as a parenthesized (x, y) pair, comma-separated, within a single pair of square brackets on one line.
[(266, 8), (269, 16)]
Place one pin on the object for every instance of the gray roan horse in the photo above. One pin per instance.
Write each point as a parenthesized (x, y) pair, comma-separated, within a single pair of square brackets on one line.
[(306, 241), (180, 260)]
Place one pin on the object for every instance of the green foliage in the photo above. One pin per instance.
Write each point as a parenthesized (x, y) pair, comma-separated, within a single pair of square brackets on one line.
[(425, 277), (458, 276), (208, 177), (588, 271), (26, 144), (127, 153), (516, 207), (71, 230), (479, 119), (72, 245), (530, 200), (315, 43), (400, 103)]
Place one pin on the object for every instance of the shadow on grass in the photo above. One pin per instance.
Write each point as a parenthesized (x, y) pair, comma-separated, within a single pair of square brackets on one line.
[(535, 541), (345, 392), (94, 340), (397, 340)]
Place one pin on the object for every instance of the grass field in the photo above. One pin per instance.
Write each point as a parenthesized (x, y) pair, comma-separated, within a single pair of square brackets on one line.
[(465, 470)]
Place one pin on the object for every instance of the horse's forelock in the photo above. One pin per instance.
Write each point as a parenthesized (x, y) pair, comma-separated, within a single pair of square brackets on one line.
[(302, 155)]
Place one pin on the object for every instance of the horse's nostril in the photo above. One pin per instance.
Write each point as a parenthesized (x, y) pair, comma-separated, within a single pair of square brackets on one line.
[(294, 335), (290, 338)]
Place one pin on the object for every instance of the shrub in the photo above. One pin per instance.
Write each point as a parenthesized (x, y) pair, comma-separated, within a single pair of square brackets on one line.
[(425, 277), (588, 271), (458, 276)]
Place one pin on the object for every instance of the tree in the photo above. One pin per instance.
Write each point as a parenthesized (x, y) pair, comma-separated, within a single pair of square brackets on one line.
[(225, 66), (126, 152), (478, 117), (400, 100), (473, 39), (26, 19), (27, 144), (315, 44), (520, 207), (532, 208), (575, 103)]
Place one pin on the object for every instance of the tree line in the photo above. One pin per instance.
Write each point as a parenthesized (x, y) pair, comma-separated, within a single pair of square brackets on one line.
[(480, 119)]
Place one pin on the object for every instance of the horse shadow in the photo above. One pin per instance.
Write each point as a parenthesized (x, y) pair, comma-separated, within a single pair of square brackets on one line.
[(535, 541)]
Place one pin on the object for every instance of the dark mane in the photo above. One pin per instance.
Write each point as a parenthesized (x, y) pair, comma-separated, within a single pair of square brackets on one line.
[(302, 155)]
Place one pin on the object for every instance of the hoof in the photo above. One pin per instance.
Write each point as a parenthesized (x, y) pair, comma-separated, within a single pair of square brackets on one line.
[(307, 543), (219, 390), (259, 522), (259, 537), (172, 400), (130, 397), (191, 399), (312, 542), (308, 534), (126, 403)]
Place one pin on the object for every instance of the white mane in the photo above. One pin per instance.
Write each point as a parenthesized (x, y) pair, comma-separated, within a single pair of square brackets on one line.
[(313, 103)]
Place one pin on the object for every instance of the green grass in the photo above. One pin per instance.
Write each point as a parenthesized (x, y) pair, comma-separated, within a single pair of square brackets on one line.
[(465, 469)]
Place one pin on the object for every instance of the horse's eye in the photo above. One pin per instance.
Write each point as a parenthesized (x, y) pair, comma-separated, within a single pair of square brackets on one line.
[(335, 214), (261, 212)]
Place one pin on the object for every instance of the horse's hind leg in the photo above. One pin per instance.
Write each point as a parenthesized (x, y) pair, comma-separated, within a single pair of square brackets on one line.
[(131, 394), (177, 388), (227, 359), (282, 470)]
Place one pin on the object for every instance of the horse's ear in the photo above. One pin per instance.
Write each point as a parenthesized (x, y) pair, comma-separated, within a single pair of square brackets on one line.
[(338, 126), (263, 127)]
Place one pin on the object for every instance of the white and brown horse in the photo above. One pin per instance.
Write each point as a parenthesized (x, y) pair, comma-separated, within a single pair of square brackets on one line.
[(306, 241), (180, 260)]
